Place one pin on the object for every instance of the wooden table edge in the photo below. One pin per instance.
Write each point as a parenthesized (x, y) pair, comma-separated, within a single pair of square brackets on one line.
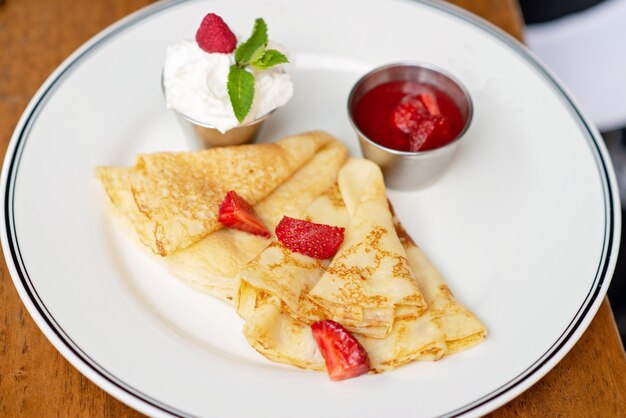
[(32, 362)]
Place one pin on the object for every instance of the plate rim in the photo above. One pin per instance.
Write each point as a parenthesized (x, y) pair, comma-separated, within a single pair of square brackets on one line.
[(143, 402)]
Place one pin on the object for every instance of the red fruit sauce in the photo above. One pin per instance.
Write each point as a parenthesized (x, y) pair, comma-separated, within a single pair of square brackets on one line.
[(408, 116)]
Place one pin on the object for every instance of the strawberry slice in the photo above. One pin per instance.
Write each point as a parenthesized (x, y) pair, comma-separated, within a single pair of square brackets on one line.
[(431, 133), (236, 213), (308, 238), (407, 114), (345, 357), (430, 102)]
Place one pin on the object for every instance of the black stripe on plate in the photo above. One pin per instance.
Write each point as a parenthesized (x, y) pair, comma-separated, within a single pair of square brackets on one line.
[(609, 223), (16, 255)]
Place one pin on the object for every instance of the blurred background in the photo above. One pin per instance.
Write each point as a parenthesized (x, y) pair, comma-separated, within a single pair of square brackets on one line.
[(584, 43)]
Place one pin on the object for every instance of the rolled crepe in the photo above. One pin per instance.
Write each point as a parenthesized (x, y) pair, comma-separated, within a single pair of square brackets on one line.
[(369, 283)]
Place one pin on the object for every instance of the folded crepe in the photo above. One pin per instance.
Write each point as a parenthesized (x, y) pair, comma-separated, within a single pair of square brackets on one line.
[(171, 198), (211, 264), (446, 327), (369, 283), (288, 277), (462, 329)]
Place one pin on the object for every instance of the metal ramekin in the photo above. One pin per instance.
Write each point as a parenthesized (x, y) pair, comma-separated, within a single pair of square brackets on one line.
[(404, 170), (201, 135)]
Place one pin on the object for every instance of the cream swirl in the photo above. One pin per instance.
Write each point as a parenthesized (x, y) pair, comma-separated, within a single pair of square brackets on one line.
[(195, 85)]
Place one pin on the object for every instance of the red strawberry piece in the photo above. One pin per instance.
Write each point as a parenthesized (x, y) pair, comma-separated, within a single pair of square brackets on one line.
[(407, 114), (431, 133), (236, 213), (345, 357), (430, 102), (214, 35), (308, 238)]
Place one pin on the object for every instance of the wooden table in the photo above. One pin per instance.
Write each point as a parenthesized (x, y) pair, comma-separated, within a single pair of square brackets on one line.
[(36, 381)]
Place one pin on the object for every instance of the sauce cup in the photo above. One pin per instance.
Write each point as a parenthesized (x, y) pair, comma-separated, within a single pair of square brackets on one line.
[(406, 170)]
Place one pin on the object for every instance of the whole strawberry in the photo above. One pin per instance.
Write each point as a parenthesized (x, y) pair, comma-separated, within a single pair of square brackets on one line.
[(214, 35)]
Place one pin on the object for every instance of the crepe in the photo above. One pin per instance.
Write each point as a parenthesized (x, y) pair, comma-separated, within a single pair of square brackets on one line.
[(462, 329), (369, 283), (274, 333), (212, 263), (171, 198), (446, 327)]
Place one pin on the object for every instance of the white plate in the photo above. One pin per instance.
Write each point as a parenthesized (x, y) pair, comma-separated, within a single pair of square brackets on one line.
[(523, 226)]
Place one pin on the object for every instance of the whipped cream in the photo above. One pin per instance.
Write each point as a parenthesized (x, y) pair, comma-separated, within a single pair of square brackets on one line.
[(195, 85)]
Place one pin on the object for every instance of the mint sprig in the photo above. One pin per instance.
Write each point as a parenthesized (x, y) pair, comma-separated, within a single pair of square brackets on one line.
[(251, 53), (254, 46)]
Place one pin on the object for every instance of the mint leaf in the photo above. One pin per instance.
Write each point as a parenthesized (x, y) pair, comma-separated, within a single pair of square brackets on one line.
[(270, 58), (240, 90), (252, 52), (254, 46), (257, 54)]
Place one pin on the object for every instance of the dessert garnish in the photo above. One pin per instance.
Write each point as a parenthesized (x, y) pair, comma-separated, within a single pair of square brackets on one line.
[(309, 238), (236, 213), (343, 354), (216, 83), (253, 53), (408, 116), (214, 36)]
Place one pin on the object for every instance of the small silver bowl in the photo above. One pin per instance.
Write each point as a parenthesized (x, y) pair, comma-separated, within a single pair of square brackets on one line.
[(405, 170), (202, 135)]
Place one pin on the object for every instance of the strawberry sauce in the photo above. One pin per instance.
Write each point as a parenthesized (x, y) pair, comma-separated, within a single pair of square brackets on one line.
[(408, 116)]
